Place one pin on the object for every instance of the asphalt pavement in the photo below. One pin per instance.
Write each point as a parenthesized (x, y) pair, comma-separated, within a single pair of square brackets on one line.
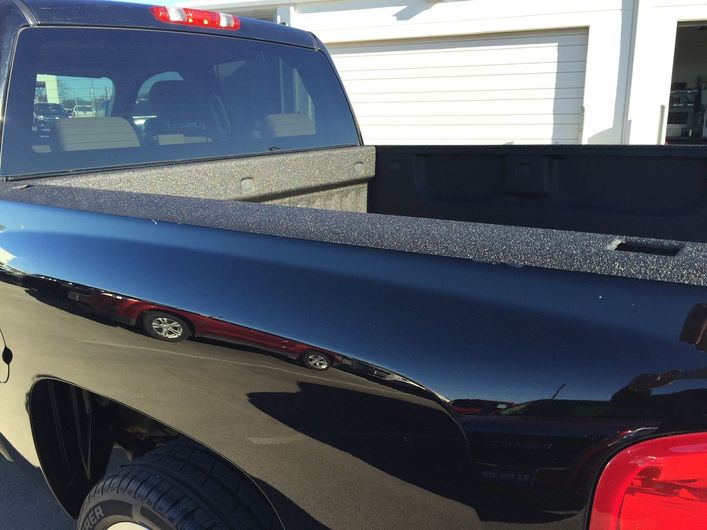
[(27, 503)]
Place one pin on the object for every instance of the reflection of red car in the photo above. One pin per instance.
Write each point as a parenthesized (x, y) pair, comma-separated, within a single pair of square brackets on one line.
[(174, 325), (478, 406)]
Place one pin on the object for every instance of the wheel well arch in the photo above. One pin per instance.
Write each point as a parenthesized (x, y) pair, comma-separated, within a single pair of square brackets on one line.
[(77, 432)]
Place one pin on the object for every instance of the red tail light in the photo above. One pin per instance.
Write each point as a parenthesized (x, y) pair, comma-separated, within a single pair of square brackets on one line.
[(196, 17), (659, 484)]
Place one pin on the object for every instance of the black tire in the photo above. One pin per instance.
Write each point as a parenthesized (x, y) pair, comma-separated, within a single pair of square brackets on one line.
[(315, 360), (178, 486), (165, 326)]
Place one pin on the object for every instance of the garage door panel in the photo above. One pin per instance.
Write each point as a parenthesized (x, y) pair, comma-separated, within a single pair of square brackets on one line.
[(492, 119), (496, 82), (440, 72), (520, 88), (513, 42), (460, 57), (374, 140), (544, 107), (441, 134), (475, 95)]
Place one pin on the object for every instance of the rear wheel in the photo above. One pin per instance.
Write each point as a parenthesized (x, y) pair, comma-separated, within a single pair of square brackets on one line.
[(316, 360), (165, 326), (178, 486)]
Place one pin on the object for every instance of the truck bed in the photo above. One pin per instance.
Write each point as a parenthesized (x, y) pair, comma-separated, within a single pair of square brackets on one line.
[(641, 191), (637, 212)]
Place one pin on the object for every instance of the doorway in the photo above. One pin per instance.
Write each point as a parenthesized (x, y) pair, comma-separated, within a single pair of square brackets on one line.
[(686, 123)]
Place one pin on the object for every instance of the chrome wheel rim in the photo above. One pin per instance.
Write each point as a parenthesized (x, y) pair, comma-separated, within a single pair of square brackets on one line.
[(167, 328), (127, 526), (318, 361)]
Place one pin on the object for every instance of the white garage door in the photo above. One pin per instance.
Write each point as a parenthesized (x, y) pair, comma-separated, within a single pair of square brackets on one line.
[(524, 88)]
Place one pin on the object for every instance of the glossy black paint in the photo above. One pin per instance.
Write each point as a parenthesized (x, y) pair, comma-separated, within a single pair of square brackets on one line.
[(598, 361)]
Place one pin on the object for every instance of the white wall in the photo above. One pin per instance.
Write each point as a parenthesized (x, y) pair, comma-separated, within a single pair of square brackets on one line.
[(52, 87)]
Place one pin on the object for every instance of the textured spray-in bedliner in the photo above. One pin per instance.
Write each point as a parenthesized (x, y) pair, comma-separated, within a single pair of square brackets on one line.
[(326, 178), (511, 245)]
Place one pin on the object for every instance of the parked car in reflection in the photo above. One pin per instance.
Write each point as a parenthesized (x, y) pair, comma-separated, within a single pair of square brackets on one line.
[(175, 325), (46, 114), (477, 407), (84, 111)]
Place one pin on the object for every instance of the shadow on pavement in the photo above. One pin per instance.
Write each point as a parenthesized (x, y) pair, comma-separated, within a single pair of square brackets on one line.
[(25, 500)]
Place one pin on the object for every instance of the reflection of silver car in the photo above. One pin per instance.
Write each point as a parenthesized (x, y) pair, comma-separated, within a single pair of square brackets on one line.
[(84, 111)]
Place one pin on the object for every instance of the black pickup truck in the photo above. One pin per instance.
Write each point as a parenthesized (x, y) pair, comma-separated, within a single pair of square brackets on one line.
[(220, 310)]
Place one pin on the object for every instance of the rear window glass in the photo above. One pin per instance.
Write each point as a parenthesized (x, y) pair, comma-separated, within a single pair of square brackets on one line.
[(81, 99)]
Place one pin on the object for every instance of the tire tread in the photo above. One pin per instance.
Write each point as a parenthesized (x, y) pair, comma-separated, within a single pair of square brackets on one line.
[(189, 487)]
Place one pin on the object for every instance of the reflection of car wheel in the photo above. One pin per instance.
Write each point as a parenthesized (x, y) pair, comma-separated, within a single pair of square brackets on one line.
[(315, 360), (164, 326), (179, 485)]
